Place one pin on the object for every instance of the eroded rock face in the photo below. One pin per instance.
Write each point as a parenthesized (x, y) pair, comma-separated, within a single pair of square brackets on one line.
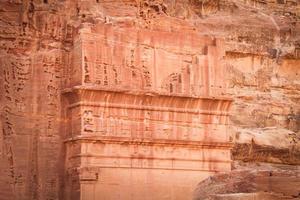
[(273, 145), (250, 184), (169, 54)]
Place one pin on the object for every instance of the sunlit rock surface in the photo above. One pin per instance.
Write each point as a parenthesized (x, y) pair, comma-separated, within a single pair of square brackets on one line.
[(144, 99), (252, 184)]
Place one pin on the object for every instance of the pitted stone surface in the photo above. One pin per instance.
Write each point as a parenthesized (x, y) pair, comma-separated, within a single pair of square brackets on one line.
[(88, 84)]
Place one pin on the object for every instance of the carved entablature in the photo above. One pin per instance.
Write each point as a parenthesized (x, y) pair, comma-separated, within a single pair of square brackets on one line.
[(132, 115), (137, 59)]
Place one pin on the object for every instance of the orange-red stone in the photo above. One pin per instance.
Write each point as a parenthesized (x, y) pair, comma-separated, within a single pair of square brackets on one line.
[(147, 113)]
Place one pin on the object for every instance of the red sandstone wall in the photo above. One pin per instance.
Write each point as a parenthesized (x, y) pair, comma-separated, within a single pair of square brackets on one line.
[(261, 41)]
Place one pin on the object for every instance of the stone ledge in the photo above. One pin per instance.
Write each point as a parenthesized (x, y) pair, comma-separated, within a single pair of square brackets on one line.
[(145, 93), (157, 142)]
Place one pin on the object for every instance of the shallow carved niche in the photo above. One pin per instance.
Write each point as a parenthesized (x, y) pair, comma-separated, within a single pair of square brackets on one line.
[(88, 121), (21, 68), (7, 85), (179, 82), (145, 67), (88, 174), (87, 78), (105, 74), (173, 83), (98, 73), (131, 74), (28, 17), (8, 129), (52, 64), (137, 78)]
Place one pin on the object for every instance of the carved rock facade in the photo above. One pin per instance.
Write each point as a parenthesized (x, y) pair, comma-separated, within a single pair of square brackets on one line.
[(101, 97), (145, 111)]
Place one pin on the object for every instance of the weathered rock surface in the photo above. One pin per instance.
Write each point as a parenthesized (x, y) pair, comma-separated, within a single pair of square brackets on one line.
[(273, 145), (250, 184), (257, 41)]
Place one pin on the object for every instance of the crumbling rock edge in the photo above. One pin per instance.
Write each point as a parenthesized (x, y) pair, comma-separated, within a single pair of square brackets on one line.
[(268, 184)]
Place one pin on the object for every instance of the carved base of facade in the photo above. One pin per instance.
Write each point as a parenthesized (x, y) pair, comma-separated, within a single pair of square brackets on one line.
[(143, 146)]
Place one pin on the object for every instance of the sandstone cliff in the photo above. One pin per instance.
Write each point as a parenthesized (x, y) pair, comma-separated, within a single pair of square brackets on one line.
[(262, 54)]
